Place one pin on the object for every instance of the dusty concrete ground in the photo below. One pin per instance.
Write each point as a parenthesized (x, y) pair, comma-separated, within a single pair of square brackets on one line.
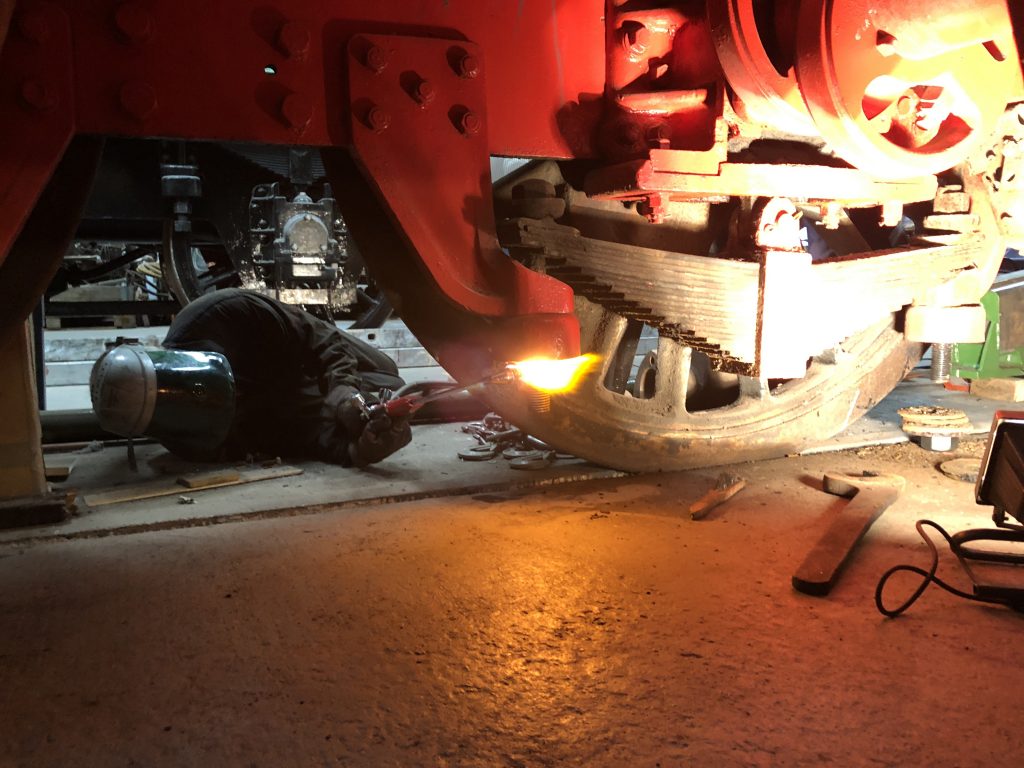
[(589, 624)]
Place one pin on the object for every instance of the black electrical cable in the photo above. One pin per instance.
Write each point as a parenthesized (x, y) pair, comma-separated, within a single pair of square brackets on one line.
[(928, 577)]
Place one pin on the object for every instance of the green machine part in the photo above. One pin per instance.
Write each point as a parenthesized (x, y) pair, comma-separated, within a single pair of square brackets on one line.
[(1001, 355)]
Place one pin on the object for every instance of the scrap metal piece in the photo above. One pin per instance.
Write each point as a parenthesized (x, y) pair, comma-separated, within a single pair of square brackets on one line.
[(496, 438), (479, 453), (727, 485), (540, 460), (961, 469), (871, 495)]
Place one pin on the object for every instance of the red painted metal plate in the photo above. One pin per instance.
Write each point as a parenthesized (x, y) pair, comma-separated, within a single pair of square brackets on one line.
[(275, 72), (37, 108), (419, 128)]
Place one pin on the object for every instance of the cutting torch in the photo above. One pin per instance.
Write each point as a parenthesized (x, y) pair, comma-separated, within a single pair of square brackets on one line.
[(405, 405)]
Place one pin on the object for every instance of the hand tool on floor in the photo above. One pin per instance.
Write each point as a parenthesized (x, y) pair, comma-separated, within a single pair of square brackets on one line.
[(496, 437), (870, 496), (727, 485)]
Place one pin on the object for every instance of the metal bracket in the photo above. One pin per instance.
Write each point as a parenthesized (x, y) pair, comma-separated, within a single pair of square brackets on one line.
[(419, 130), (37, 104)]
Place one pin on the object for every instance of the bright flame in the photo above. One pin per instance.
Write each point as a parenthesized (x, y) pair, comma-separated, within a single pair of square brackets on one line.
[(550, 375)]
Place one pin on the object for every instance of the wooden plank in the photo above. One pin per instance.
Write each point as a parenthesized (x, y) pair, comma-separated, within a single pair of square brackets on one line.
[(58, 472), (210, 479), (173, 486), (1008, 390), (45, 509)]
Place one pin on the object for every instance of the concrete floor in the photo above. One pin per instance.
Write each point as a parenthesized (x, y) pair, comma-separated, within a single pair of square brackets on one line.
[(585, 624)]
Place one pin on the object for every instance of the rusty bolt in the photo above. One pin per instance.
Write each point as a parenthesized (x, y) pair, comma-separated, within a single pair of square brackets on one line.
[(425, 92), (294, 39), (831, 214), (659, 137), (376, 58), (297, 111), (892, 213), (134, 23), (138, 99), (469, 124), (38, 95), (378, 119), (33, 26), (468, 66), (654, 208), (635, 39)]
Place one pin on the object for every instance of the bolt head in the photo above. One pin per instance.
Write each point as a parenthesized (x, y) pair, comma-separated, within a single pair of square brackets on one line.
[(33, 26), (297, 111), (659, 137), (470, 124), (425, 92), (376, 58), (134, 23), (38, 95), (378, 119), (468, 66), (294, 39), (138, 99)]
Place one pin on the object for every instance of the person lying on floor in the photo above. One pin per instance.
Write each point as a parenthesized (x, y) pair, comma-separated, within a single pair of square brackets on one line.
[(241, 374)]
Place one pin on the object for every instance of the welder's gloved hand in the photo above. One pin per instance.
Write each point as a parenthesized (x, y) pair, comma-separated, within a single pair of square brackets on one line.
[(381, 437), (348, 409)]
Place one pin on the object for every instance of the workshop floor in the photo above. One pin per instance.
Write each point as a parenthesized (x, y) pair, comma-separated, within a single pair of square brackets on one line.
[(590, 623)]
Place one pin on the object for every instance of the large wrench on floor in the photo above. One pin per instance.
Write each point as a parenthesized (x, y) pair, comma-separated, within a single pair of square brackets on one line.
[(870, 496)]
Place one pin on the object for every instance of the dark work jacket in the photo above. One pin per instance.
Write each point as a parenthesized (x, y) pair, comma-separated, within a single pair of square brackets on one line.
[(291, 372)]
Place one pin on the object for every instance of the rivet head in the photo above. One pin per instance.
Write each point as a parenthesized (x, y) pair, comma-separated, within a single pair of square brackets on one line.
[(425, 92), (469, 66), (470, 124), (378, 119), (376, 58), (297, 111), (138, 99), (33, 26), (38, 95), (294, 39), (134, 23)]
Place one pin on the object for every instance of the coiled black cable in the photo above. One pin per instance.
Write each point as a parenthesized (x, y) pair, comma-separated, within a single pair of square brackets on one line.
[(928, 577)]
